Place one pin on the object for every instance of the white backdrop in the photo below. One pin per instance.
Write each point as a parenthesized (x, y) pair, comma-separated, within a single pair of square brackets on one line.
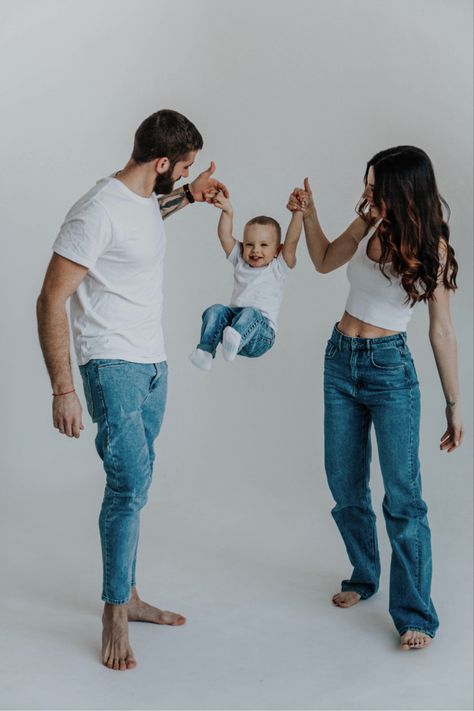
[(279, 91)]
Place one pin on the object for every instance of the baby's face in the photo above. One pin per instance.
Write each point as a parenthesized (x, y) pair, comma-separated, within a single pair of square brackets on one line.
[(260, 245)]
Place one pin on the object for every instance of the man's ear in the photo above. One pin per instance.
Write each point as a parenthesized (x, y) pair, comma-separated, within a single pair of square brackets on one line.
[(162, 165)]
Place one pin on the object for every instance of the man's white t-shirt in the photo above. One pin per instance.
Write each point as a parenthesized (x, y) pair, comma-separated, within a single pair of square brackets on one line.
[(116, 311), (260, 287)]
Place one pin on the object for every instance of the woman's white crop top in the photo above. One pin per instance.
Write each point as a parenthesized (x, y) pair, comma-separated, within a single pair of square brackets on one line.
[(372, 297)]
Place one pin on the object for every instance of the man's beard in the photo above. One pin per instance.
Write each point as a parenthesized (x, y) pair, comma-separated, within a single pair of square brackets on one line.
[(164, 183)]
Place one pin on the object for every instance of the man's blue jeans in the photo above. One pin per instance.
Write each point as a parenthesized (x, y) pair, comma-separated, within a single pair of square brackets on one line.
[(127, 402), (257, 336), (374, 381)]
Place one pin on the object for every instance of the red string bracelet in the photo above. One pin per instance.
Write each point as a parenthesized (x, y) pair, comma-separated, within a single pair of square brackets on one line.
[(58, 394)]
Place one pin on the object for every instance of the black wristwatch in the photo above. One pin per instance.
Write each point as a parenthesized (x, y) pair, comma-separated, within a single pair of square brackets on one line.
[(188, 193)]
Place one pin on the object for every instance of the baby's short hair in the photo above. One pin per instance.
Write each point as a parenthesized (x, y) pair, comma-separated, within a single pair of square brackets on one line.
[(264, 220)]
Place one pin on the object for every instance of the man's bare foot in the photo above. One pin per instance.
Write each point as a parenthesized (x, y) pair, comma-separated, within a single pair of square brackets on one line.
[(116, 651), (346, 599), (139, 611), (414, 640)]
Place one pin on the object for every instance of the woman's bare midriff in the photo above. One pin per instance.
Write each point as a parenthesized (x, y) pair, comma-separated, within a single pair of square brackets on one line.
[(354, 328)]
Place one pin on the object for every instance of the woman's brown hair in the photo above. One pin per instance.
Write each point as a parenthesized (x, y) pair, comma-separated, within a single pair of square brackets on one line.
[(413, 225)]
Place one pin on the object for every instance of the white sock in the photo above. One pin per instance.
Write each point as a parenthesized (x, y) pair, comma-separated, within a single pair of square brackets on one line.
[(230, 343), (201, 359)]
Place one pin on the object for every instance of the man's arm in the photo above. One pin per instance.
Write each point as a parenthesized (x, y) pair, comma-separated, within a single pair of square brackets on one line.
[(202, 189), (62, 279), (172, 203)]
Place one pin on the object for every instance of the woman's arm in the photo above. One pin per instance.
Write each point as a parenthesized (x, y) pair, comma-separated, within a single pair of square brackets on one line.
[(325, 255), (443, 343)]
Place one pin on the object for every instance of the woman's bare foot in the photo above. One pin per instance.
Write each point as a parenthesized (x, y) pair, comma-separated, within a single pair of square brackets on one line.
[(414, 640), (139, 611), (346, 599), (116, 651)]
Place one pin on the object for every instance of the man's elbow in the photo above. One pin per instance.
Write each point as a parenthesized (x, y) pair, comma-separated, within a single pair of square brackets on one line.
[(49, 300)]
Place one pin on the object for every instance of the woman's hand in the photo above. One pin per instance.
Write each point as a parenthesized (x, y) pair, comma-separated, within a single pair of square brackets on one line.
[(300, 199), (453, 437)]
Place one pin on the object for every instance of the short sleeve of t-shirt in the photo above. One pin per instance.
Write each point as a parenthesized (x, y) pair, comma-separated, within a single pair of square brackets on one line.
[(85, 234), (233, 257), (280, 267)]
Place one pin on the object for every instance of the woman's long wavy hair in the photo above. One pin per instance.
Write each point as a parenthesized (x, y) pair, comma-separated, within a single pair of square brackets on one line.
[(413, 224)]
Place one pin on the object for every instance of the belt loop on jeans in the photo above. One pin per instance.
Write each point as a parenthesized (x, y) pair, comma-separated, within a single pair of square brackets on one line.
[(340, 342), (368, 345)]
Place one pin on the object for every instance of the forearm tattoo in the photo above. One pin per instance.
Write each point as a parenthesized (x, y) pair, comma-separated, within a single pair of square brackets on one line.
[(171, 203)]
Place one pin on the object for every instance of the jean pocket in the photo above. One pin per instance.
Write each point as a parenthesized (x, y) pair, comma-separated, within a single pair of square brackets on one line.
[(330, 351), (387, 358)]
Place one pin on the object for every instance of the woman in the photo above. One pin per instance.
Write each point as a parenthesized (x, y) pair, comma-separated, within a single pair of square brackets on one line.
[(398, 254)]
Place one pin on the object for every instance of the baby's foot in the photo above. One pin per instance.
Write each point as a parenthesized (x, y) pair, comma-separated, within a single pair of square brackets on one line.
[(346, 599), (201, 359), (414, 640), (230, 343)]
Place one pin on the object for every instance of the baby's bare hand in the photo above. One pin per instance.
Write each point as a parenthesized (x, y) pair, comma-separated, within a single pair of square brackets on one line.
[(222, 202)]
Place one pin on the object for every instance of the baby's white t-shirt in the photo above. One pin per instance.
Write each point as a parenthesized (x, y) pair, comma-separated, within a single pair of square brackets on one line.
[(119, 236), (260, 287)]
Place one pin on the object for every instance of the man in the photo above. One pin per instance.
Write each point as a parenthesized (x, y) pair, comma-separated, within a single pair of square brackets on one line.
[(108, 257)]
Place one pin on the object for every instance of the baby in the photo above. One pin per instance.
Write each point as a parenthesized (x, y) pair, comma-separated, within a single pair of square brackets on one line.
[(247, 326)]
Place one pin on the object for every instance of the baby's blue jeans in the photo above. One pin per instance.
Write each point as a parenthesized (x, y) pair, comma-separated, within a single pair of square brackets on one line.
[(257, 336), (127, 402), (373, 381)]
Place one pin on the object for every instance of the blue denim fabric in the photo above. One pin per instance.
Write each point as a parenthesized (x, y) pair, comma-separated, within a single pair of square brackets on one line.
[(374, 381), (127, 402), (256, 333)]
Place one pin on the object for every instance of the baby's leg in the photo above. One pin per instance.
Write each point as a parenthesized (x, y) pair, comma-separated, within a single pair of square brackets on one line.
[(214, 321), (250, 333)]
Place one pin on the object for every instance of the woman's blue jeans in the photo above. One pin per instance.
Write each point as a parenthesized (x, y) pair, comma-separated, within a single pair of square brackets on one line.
[(127, 402), (257, 336), (374, 381)]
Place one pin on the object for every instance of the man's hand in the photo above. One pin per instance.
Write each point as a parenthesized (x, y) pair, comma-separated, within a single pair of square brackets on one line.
[(67, 414), (205, 184)]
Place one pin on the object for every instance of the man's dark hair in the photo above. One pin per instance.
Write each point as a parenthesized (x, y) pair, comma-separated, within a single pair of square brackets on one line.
[(165, 134)]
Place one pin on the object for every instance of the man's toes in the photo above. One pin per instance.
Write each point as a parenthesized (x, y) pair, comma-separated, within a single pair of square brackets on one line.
[(179, 620), (123, 666), (131, 663), (116, 664)]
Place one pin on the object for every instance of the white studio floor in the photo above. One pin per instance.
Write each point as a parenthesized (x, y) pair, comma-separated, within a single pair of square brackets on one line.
[(255, 582)]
